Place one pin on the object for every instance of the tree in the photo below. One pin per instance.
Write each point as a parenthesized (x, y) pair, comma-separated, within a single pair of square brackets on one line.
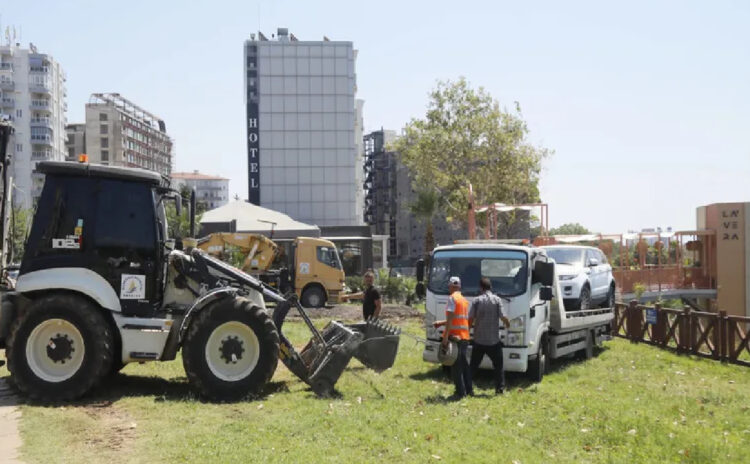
[(19, 230), (180, 227), (465, 138), (569, 229), (424, 208)]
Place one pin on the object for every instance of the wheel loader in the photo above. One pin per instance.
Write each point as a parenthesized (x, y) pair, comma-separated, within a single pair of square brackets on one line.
[(102, 285)]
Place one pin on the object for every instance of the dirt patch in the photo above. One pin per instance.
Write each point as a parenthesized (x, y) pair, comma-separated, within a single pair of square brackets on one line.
[(116, 428), (350, 312)]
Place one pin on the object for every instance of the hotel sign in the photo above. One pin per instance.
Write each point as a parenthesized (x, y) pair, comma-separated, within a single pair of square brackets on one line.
[(253, 149)]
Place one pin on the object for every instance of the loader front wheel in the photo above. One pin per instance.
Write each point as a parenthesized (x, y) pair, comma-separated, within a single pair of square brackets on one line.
[(59, 348), (231, 349)]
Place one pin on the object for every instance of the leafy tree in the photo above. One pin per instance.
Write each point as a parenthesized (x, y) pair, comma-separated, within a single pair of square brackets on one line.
[(181, 226), (19, 230), (570, 229), (425, 207), (465, 138)]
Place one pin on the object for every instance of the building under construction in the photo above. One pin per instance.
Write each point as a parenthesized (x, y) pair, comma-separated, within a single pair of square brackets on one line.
[(388, 200), (119, 132)]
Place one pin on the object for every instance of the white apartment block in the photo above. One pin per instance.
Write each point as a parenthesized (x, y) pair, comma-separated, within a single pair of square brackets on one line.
[(32, 96), (213, 191), (118, 132), (304, 128)]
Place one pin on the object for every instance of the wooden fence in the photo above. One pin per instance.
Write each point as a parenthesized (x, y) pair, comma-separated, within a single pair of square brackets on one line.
[(712, 335)]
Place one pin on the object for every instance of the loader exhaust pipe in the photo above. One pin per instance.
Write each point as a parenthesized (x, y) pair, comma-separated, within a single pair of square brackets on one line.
[(192, 212)]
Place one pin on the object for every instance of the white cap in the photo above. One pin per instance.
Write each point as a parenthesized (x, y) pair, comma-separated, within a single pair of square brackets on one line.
[(455, 281)]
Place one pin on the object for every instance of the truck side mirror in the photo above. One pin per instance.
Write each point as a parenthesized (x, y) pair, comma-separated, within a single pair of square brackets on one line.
[(420, 270), (545, 293), (544, 273)]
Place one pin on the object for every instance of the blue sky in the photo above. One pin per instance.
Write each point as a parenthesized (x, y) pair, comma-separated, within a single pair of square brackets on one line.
[(646, 104)]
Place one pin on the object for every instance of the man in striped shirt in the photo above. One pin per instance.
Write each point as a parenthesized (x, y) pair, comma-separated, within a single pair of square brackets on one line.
[(485, 314)]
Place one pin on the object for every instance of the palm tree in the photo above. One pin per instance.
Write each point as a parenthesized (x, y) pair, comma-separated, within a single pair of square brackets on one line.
[(424, 208)]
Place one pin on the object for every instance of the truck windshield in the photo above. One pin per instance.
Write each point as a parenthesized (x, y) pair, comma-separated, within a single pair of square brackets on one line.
[(506, 269), (329, 256), (566, 255)]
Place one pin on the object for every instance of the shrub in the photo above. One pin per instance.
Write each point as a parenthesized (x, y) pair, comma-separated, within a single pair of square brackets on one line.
[(355, 283)]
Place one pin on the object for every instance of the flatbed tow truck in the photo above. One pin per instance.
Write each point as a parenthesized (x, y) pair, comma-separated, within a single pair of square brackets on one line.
[(541, 329)]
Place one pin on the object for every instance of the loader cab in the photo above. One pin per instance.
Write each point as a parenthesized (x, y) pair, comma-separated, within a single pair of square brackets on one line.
[(107, 220)]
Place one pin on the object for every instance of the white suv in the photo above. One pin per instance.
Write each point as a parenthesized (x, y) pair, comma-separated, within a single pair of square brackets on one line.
[(585, 276)]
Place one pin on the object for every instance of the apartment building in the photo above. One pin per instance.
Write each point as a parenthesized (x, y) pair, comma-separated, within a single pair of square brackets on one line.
[(212, 191), (119, 132), (32, 96)]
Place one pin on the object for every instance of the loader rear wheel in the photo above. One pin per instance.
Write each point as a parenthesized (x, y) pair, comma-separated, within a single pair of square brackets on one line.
[(231, 349), (59, 349)]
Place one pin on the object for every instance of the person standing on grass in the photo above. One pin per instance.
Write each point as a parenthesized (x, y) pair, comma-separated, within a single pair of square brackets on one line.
[(484, 315), (457, 329), (371, 303)]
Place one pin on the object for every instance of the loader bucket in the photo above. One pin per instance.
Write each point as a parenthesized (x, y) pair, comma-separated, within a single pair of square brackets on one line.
[(379, 347), (327, 363), (322, 361)]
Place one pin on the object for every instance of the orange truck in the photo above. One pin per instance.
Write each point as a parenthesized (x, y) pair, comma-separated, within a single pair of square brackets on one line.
[(314, 270)]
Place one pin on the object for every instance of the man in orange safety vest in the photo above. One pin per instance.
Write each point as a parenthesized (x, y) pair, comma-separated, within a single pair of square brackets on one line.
[(457, 330)]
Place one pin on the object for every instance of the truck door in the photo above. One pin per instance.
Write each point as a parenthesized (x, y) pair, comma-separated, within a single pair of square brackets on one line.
[(304, 265)]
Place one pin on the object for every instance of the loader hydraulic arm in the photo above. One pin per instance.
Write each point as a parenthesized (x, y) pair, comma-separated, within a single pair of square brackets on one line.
[(322, 361)]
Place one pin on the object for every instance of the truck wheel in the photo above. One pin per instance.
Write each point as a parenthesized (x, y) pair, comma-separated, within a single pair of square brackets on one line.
[(231, 350), (584, 301), (538, 367), (588, 352), (59, 348), (313, 297)]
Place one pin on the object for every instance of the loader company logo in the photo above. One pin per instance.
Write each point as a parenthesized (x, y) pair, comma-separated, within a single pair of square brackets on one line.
[(133, 287)]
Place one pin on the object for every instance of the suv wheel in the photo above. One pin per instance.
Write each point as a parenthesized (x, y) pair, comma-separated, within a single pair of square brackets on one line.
[(584, 301)]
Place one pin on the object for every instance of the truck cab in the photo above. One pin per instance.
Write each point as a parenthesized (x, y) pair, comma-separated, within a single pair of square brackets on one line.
[(318, 273), (510, 269)]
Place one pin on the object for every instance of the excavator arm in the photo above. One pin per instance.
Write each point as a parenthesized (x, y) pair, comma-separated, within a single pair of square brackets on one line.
[(259, 251)]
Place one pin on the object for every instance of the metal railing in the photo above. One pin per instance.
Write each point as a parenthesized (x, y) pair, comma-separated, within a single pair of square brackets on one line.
[(40, 104), (41, 155), (717, 336)]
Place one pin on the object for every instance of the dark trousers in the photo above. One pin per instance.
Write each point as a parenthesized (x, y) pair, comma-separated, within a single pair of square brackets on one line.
[(495, 353), (460, 371)]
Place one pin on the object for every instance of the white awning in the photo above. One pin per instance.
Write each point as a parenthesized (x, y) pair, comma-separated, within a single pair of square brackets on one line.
[(256, 219)]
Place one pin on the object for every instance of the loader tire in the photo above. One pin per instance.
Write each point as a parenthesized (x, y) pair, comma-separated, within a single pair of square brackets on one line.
[(59, 348), (231, 350)]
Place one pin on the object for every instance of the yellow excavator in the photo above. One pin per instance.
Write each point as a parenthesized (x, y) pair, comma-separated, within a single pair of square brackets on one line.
[(314, 272)]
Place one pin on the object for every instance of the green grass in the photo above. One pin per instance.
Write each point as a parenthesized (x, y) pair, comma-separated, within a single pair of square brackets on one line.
[(632, 403)]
